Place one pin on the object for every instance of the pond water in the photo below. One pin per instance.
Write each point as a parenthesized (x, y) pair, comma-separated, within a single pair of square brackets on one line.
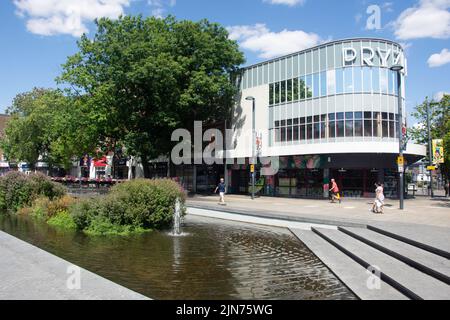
[(214, 259)]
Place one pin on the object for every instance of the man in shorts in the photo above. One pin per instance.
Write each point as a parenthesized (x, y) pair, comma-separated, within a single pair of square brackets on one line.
[(221, 188)]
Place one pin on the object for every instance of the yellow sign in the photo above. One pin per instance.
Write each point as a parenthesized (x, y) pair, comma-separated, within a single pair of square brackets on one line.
[(431, 168), (438, 151), (252, 168), (401, 161)]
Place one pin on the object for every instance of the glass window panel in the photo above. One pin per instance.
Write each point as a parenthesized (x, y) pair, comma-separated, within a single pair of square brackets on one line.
[(309, 133), (349, 115), (340, 128), (384, 81), (277, 124), (376, 79), (367, 115), (289, 134), (357, 79), (316, 85), (396, 84), (277, 135), (358, 115), (323, 117), (277, 92), (283, 123), (302, 132), (322, 130), (332, 129), (367, 128), (340, 116), (295, 121), (283, 134), (271, 92), (289, 90), (289, 122), (309, 86), (392, 129), (271, 72), (316, 118), (384, 115), (339, 81), (391, 116), (323, 84), (289, 68), (367, 79), (302, 89), (385, 129), (295, 88), (308, 119), (283, 69), (348, 80), (277, 70), (296, 133), (331, 116), (349, 128), (283, 92), (302, 120), (316, 130), (358, 128), (331, 82)]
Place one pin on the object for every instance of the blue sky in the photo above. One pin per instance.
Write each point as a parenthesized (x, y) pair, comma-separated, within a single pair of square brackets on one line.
[(38, 35)]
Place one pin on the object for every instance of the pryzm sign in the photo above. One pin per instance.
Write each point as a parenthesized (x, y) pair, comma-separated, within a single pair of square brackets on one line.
[(373, 57)]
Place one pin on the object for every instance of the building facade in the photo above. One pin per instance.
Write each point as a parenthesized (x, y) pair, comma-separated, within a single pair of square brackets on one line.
[(326, 112)]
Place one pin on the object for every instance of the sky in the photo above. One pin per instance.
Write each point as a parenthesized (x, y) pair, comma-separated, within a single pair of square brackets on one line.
[(38, 35)]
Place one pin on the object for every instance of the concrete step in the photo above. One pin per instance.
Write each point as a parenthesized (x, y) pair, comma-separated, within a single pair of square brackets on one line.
[(352, 274), (433, 239), (424, 261), (409, 281)]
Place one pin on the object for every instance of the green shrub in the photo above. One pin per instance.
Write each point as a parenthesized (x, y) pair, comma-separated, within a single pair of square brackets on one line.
[(132, 206), (62, 220), (18, 190)]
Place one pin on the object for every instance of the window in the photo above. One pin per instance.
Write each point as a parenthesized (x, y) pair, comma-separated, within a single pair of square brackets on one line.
[(357, 79), (283, 92), (376, 79), (348, 80), (340, 129), (302, 87), (332, 129), (316, 85), (339, 81), (295, 84), (358, 128), (296, 133), (331, 81), (289, 133), (349, 124), (277, 93), (289, 90), (302, 132), (309, 84), (323, 84), (384, 86), (367, 79), (309, 133), (271, 92), (367, 128), (316, 130)]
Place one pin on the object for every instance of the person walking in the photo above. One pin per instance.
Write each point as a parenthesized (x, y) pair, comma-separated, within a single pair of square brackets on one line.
[(378, 205), (334, 191), (447, 188), (221, 188)]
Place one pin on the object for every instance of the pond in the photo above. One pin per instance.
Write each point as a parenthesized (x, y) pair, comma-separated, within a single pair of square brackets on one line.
[(214, 259)]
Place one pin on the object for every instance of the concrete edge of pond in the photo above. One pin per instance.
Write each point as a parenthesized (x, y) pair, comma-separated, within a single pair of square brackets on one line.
[(30, 273)]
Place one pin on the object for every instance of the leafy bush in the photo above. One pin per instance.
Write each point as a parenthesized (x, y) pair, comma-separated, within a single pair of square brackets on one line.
[(18, 190), (133, 206), (62, 220)]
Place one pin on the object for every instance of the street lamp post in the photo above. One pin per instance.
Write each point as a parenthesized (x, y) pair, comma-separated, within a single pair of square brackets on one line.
[(398, 69), (430, 147), (253, 162)]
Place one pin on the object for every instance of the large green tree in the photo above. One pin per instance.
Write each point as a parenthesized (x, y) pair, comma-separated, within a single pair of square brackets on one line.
[(440, 126), (49, 125), (145, 77)]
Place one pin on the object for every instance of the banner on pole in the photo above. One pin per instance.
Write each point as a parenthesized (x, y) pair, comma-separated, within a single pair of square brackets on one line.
[(438, 151)]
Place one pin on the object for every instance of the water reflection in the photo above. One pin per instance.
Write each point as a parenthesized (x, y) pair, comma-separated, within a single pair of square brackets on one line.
[(215, 260)]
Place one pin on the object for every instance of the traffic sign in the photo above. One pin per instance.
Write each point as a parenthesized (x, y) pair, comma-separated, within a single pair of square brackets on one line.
[(252, 168), (431, 168), (401, 161)]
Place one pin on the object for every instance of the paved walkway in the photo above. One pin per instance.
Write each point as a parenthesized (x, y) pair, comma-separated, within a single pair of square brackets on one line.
[(422, 210), (29, 273)]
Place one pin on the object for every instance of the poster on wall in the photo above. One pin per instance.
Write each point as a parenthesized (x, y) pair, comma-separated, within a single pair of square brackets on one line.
[(438, 151)]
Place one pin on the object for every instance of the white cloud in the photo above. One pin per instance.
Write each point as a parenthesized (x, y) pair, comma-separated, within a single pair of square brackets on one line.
[(159, 6), (289, 3), (428, 19), (258, 38), (439, 59), (438, 96), (53, 17)]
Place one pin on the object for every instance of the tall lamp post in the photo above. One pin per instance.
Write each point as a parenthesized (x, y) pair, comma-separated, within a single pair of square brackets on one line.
[(253, 162), (398, 68), (430, 147)]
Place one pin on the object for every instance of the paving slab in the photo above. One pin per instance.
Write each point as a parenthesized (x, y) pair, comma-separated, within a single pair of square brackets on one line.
[(352, 274), (410, 281), (29, 273)]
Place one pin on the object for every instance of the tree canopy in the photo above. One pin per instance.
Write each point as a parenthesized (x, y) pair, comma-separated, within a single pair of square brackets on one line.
[(145, 77)]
